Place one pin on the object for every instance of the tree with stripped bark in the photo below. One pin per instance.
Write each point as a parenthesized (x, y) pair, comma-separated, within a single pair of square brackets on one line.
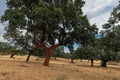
[(46, 24)]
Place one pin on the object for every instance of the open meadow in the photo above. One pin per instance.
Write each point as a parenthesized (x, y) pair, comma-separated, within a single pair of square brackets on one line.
[(60, 69)]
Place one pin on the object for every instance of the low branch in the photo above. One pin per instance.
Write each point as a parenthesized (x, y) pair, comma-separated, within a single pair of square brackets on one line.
[(53, 46)]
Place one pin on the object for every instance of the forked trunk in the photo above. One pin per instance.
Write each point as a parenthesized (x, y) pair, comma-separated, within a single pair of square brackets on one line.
[(47, 52)]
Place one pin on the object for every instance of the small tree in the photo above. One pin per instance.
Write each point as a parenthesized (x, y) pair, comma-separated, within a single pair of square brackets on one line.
[(6, 48), (79, 53), (91, 53), (58, 52)]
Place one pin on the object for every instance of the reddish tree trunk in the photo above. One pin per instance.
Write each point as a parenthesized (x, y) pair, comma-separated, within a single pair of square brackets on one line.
[(47, 52), (47, 59)]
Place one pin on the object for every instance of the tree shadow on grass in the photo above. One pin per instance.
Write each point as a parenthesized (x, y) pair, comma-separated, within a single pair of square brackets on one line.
[(98, 66), (22, 65)]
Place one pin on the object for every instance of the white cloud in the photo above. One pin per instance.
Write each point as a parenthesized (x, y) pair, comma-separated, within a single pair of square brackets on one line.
[(1, 39), (100, 19), (2, 32), (1, 26), (92, 7), (98, 11)]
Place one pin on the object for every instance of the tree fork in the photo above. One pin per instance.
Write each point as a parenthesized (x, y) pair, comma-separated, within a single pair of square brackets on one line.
[(47, 52)]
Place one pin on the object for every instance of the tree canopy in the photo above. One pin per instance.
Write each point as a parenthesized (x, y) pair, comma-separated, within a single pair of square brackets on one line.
[(110, 40), (45, 23)]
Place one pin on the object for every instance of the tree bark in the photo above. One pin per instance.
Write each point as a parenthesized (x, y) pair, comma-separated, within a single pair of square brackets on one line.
[(28, 57), (47, 52), (92, 62), (12, 55), (104, 63), (47, 58), (72, 60), (30, 53)]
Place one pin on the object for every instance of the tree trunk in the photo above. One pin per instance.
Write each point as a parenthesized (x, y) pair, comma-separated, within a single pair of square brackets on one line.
[(12, 55), (30, 52), (72, 60), (104, 63), (47, 52), (55, 58), (47, 58), (92, 62), (28, 57)]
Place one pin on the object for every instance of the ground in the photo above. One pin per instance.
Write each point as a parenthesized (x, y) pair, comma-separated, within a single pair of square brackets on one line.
[(60, 69)]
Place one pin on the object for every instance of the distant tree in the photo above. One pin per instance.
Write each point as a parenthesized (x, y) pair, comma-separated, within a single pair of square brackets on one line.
[(58, 52), (110, 40), (117, 58), (79, 53), (5, 48), (87, 52), (39, 53), (46, 24), (71, 49), (88, 49), (91, 54)]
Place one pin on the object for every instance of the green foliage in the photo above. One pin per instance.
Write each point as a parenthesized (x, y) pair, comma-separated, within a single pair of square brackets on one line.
[(58, 52), (79, 53), (87, 52), (117, 58), (39, 53), (45, 21), (112, 32), (6, 48), (109, 43)]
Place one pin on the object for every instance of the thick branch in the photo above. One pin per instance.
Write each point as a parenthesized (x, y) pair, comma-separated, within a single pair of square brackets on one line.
[(53, 46), (41, 45)]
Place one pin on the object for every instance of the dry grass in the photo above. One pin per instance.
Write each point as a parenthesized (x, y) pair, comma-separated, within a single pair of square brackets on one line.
[(61, 69)]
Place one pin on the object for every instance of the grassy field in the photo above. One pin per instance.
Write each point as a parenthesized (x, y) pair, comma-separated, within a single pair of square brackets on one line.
[(60, 69)]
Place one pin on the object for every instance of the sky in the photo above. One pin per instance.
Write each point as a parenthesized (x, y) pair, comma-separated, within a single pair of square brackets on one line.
[(97, 11)]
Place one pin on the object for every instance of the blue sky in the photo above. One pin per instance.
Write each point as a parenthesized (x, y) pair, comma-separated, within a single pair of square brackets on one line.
[(98, 11), (2, 9)]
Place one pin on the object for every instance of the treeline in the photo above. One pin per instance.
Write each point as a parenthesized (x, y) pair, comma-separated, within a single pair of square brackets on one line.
[(106, 45), (88, 52)]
